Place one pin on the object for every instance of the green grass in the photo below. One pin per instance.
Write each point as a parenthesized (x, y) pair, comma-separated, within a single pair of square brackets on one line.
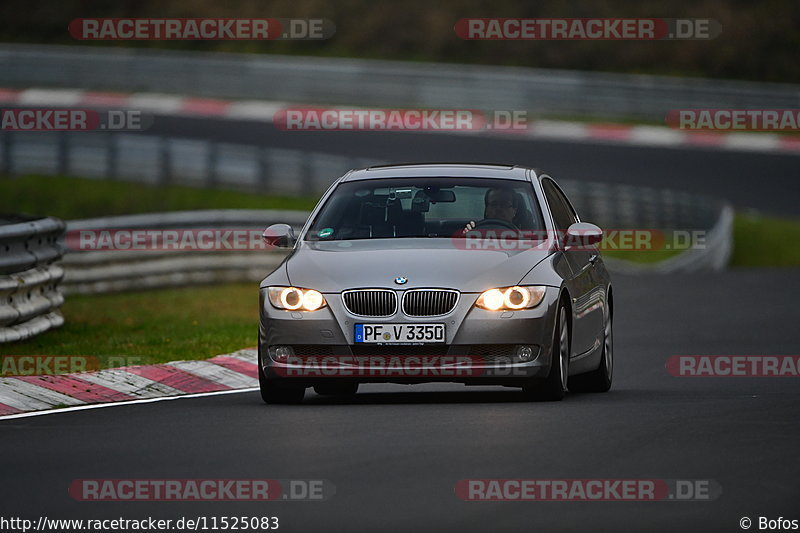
[(152, 327), (758, 241), (764, 241), (74, 198), (660, 250), (641, 256)]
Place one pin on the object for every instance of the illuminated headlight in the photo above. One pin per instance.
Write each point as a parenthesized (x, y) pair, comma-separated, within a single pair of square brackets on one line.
[(511, 298), (295, 299)]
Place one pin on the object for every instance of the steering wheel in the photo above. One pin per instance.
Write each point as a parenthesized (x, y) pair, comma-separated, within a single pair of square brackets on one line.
[(495, 222)]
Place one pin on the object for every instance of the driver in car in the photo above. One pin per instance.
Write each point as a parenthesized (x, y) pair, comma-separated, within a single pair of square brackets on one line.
[(500, 204)]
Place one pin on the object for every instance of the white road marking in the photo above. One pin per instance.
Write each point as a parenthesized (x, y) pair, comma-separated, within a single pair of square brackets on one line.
[(156, 103), (656, 136), (254, 110), (129, 402), (752, 141), (50, 97)]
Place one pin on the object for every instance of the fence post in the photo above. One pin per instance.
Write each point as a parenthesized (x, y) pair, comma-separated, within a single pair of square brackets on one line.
[(165, 174), (212, 162), (112, 157), (264, 168), (307, 171), (63, 154), (7, 164)]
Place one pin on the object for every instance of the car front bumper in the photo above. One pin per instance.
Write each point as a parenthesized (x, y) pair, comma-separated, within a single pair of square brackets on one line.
[(481, 347)]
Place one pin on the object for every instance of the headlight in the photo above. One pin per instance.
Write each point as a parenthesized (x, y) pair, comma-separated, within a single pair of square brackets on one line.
[(294, 299), (510, 298)]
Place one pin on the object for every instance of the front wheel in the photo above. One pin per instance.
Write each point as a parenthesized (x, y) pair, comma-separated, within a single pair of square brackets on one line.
[(598, 380), (554, 386), (276, 391)]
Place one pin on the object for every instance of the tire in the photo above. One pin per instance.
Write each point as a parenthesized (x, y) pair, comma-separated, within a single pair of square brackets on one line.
[(554, 386), (346, 388), (598, 380), (275, 391)]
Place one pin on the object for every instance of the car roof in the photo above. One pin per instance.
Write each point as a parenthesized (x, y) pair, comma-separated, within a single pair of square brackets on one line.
[(428, 170)]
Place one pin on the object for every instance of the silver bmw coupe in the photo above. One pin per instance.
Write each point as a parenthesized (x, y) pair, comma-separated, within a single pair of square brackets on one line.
[(470, 273)]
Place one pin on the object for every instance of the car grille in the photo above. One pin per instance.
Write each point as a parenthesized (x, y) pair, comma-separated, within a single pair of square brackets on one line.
[(370, 302), (429, 302)]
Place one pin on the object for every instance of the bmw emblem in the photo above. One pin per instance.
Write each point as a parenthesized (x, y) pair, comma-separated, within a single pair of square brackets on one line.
[(401, 280)]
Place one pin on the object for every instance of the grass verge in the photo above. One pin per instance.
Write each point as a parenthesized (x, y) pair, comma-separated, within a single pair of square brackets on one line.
[(152, 327), (765, 241), (74, 198)]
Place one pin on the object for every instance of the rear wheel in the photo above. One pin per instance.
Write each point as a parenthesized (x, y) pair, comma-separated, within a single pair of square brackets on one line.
[(553, 387), (598, 380), (277, 391)]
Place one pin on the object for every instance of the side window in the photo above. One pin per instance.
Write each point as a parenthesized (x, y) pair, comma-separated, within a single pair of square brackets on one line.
[(568, 205), (563, 215)]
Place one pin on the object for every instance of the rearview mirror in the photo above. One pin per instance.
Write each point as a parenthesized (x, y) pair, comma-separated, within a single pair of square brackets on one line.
[(583, 234), (280, 235), (438, 196)]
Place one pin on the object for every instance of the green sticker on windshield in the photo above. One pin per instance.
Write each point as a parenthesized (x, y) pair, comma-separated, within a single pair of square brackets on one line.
[(324, 233)]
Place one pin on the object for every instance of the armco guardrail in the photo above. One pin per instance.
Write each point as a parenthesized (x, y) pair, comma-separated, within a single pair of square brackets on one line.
[(625, 207), (29, 277), (108, 271), (380, 83), (120, 270)]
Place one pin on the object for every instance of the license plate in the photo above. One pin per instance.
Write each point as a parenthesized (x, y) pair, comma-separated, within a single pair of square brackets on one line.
[(399, 333)]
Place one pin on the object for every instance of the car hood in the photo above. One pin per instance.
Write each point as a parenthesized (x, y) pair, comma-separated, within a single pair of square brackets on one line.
[(339, 265)]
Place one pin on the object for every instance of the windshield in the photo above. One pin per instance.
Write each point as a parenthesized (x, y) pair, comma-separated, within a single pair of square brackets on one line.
[(425, 207)]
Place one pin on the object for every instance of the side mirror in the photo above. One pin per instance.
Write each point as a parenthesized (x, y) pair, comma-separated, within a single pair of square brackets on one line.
[(280, 235), (583, 234)]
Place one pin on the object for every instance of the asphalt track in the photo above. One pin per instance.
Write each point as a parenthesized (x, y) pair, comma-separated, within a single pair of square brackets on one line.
[(763, 181), (395, 453)]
